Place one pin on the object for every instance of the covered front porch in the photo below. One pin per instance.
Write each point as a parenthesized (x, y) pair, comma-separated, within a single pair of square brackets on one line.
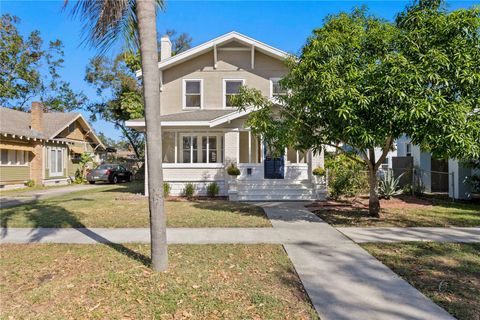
[(199, 152)]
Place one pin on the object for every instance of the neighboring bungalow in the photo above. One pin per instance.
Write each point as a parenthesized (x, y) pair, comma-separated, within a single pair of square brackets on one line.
[(436, 175), (202, 132), (43, 146)]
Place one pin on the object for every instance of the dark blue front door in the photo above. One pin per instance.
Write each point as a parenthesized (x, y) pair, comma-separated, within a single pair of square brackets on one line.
[(273, 166)]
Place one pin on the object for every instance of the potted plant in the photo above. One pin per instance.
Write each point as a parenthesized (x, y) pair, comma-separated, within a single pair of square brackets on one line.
[(318, 174), (233, 171)]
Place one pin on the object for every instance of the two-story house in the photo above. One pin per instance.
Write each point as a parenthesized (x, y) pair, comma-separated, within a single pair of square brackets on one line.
[(202, 132)]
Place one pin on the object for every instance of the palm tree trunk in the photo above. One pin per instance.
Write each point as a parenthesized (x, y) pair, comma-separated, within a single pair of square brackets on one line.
[(151, 92)]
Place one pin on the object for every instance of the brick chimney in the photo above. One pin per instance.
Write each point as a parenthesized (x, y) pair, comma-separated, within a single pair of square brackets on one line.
[(165, 48), (37, 116)]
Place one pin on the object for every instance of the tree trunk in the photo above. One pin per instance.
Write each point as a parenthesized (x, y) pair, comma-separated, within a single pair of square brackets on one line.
[(151, 93), (373, 201)]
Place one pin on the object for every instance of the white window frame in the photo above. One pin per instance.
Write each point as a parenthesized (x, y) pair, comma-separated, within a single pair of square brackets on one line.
[(184, 97), (225, 91), (272, 79), (26, 158), (50, 169), (180, 134)]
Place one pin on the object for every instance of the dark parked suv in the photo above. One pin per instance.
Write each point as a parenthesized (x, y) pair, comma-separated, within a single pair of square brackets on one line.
[(112, 173)]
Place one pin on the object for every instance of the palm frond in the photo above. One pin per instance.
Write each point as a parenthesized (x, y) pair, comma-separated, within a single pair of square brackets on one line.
[(108, 21)]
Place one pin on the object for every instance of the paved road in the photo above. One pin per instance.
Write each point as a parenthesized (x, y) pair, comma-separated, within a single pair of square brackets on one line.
[(454, 234), (31, 196)]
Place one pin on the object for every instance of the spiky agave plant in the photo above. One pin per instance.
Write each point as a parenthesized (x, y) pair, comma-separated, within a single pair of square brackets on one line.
[(388, 185)]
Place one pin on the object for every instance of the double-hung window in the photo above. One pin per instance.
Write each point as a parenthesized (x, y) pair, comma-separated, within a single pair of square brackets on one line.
[(209, 149), (192, 93), (231, 88), (189, 149), (56, 162)]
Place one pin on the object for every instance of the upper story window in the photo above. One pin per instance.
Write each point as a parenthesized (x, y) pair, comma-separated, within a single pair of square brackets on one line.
[(231, 88), (192, 93), (276, 88), (71, 127)]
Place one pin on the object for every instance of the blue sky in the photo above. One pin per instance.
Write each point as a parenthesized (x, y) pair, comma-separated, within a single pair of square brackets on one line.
[(283, 24)]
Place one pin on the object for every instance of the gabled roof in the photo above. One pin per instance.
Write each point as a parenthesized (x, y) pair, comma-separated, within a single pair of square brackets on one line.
[(209, 45), (18, 123)]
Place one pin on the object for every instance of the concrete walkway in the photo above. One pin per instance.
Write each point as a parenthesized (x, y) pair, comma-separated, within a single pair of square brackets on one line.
[(454, 234), (16, 199), (140, 235), (342, 280)]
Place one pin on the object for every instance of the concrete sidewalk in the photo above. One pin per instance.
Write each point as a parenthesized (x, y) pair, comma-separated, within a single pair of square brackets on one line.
[(454, 234), (342, 280), (31, 196), (140, 235)]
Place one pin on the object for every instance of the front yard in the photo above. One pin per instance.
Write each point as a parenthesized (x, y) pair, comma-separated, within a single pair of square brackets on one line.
[(448, 273), (405, 211), (123, 205), (113, 282)]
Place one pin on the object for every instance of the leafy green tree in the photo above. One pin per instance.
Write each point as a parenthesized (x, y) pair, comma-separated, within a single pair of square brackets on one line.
[(30, 70), (120, 91), (361, 81)]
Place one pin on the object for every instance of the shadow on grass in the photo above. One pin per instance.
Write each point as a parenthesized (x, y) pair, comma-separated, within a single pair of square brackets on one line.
[(56, 217), (402, 211), (134, 187), (240, 208)]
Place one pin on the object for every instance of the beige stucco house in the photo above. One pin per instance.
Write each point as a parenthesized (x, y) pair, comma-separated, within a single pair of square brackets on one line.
[(202, 133), (43, 146)]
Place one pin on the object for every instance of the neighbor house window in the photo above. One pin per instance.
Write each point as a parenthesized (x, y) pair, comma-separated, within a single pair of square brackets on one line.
[(230, 89), (13, 157), (276, 88), (408, 149), (56, 162), (192, 93)]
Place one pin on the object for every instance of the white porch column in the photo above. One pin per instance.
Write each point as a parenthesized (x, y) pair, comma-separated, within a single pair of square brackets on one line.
[(146, 172), (232, 147)]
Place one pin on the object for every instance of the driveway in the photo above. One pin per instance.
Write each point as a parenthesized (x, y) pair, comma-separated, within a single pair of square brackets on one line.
[(35, 195)]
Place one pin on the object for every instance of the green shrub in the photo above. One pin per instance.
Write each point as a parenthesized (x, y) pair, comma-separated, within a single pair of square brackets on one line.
[(79, 179), (318, 171), (30, 183), (213, 189), (166, 189), (189, 190), (232, 170), (346, 177)]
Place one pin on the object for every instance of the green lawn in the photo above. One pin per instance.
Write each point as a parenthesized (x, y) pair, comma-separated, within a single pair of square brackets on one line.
[(406, 212), (448, 273), (123, 205), (52, 281)]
